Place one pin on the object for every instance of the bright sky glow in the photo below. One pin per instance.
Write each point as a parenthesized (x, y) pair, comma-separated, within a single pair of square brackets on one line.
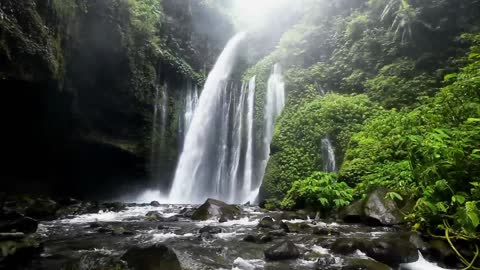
[(255, 13)]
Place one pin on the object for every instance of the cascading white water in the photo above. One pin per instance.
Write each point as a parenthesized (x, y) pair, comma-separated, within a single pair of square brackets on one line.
[(328, 155), (234, 174), (248, 176), (274, 103), (189, 105), (198, 166)]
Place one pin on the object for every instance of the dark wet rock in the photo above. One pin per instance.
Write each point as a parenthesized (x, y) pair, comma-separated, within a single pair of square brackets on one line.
[(96, 260), (297, 227), (187, 212), (11, 236), (153, 216), (289, 215), (157, 257), (353, 213), (106, 229), (346, 246), (440, 250), (259, 238), (169, 219), (325, 262), (364, 264), (325, 231), (119, 230), (417, 241), (250, 238), (155, 204), (95, 225), (114, 206), (305, 214), (278, 233), (43, 209), (18, 223), (216, 209), (379, 208), (283, 251), (389, 249), (266, 222), (210, 230), (20, 251), (265, 238)]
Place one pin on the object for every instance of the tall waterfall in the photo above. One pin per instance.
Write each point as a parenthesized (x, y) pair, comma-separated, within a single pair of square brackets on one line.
[(249, 156), (189, 105), (198, 169), (275, 101), (328, 155)]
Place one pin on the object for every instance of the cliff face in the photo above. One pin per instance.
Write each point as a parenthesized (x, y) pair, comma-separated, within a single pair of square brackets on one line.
[(77, 79)]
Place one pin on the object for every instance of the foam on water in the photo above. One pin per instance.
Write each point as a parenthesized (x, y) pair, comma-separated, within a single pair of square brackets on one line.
[(420, 264), (242, 264), (319, 250), (246, 221), (102, 216)]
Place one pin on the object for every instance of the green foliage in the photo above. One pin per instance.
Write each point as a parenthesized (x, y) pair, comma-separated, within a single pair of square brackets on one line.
[(399, 85), (320, 191), (298, 138), (429, 153)]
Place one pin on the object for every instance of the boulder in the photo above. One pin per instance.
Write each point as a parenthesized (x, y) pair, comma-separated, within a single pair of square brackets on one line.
[(216, 209), (353, 213), (210, 230), (43, 209), (155, 204), (114, 206), (18, 223), (382, 210), (285, 250), (266, 222), (325, 231), (364, 264), (259, 238), (187, 212), (156, 257), (16, 252), (325, 262), (153, 216), (391, 249), (97, 261)]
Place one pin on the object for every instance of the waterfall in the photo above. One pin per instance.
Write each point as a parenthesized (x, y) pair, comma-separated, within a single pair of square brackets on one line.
[(234, 174), (189, 105), (274, 103), (328, 155), (196, 176), (248, 176)]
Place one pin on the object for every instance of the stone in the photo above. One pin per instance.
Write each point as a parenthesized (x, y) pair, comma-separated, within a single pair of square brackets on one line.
[(250, 238), (381, 210), (114, 206), (279, 233), (11, 236), (266, 222), (96, 260), (391, 249), (153, 216), (325, 261), (285, 250), (19, 224), (43, 209), (156, 257), (364, 264), (325, 231), (216, 209), (210, 230), (187, 212), (155, 204), (353, 213), (17, 252)]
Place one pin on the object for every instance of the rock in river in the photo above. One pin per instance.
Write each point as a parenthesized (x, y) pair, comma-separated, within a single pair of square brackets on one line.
[(156, 257), (216, 209), (283, 251)]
